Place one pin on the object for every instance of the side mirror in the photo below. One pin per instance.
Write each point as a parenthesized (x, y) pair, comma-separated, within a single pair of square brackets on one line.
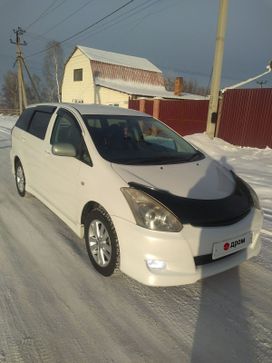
[(62, 149)]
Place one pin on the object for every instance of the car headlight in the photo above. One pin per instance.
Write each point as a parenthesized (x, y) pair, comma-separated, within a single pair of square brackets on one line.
[(149, 213)]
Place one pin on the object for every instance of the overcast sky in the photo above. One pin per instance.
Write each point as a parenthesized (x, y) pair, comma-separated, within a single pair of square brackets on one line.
[(175, 35)]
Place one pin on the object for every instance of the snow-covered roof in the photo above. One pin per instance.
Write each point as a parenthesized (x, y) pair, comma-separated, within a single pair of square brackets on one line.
[(142, 89), (94, 109), (118, 59)]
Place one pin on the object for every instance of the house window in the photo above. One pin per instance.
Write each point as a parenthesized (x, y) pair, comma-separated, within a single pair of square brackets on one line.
[(78, 74)]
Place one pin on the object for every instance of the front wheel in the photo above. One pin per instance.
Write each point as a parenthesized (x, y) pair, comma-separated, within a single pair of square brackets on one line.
[(20, 179), (101, 241)]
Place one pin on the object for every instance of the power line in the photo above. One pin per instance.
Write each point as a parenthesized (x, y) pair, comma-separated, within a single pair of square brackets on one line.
[(97, 22), (68, 17), (151, 13), (86, 28), (126, 15), (47, 11)]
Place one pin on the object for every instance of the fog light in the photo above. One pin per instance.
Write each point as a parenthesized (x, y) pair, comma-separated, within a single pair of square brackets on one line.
[(155, 264)]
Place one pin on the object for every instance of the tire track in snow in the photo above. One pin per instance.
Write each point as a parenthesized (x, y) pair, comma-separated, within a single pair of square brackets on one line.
[(5, 130)]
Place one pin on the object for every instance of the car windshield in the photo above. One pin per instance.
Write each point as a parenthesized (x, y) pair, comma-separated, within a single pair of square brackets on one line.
[(138, 141)]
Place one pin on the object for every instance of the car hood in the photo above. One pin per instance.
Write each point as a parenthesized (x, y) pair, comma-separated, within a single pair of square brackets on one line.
[(204, 179)]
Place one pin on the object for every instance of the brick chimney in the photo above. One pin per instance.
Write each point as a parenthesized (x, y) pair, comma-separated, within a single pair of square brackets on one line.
[(178, 86)]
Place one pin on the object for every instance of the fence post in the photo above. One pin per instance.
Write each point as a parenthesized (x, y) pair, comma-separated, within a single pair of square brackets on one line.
[(220, 105), (156, 108), (142, 105)]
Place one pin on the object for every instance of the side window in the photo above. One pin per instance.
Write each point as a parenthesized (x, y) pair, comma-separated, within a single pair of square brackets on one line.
[(24, 119), (39, 124), (92, 122), (67, 131), (78, 75)]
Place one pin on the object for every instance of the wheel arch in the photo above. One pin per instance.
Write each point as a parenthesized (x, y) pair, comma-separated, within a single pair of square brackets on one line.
[(86, 210), (16, 160)]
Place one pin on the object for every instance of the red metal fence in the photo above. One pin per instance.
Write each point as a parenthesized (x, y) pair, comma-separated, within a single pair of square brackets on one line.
[(184, 116), (246, 117)]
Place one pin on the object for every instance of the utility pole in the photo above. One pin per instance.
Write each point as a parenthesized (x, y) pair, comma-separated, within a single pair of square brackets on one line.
[(217, 68), (20, 61), (32, 81)]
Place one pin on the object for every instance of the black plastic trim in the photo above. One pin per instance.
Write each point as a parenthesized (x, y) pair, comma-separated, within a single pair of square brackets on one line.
[(202, 212), (46, 109), (206, 259)]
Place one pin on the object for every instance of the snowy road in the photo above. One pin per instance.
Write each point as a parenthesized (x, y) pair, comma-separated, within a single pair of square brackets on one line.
[(55, 308)]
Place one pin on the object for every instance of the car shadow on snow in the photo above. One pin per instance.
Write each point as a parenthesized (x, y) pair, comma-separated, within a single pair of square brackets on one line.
[(222, 332)]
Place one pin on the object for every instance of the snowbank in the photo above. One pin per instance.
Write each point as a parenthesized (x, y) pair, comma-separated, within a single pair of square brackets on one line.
[(7, 122)]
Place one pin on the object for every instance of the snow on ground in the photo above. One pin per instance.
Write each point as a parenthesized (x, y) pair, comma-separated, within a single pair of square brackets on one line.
[(54, 307), (7, 122)]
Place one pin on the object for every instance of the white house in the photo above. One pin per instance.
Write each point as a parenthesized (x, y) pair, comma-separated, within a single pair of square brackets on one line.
[(97, 76)]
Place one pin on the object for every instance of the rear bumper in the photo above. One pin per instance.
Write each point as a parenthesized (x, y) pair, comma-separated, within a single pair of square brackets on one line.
[(177, 250)]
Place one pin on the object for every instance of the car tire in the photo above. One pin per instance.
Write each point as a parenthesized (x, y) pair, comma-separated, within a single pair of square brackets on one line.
[(20, 179), (101, 241)]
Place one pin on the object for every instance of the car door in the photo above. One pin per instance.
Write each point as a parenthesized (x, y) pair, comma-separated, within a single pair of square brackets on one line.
[(31, 136), (63, 172)]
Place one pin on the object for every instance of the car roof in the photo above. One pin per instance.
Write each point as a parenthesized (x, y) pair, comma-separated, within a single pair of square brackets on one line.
[(93, 109)]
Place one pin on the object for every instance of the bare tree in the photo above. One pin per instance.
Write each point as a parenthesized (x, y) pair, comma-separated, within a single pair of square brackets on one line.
[(40, 89), (9, 92), (53, 70), (189, 86)]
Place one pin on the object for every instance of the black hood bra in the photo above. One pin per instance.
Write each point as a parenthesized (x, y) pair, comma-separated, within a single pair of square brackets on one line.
[(205, 213)]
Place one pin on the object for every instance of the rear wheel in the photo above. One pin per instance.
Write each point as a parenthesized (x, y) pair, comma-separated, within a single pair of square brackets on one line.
[(20, 178), (101, 241)]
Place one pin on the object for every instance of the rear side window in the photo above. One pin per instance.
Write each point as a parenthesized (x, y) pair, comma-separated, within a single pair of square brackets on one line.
[(39, 124), (24, 120)]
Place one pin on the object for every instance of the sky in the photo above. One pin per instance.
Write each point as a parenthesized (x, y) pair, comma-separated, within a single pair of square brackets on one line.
[(178, 36)]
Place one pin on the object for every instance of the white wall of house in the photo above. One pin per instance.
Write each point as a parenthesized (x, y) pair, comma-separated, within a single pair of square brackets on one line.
[(78, 91), (106, 96)]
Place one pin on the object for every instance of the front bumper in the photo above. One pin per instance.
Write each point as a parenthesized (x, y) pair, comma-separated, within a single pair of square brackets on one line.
[(137, 245)]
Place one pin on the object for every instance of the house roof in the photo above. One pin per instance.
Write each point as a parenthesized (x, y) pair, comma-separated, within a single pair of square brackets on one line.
[(118, 59), (141, 89)]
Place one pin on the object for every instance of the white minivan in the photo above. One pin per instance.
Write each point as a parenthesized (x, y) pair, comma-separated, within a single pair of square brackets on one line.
[(146, 201)]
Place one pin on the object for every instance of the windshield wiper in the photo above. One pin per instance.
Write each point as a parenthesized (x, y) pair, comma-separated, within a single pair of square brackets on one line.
[(197, 156), (156, 161), (160, 160), (140, 161)]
